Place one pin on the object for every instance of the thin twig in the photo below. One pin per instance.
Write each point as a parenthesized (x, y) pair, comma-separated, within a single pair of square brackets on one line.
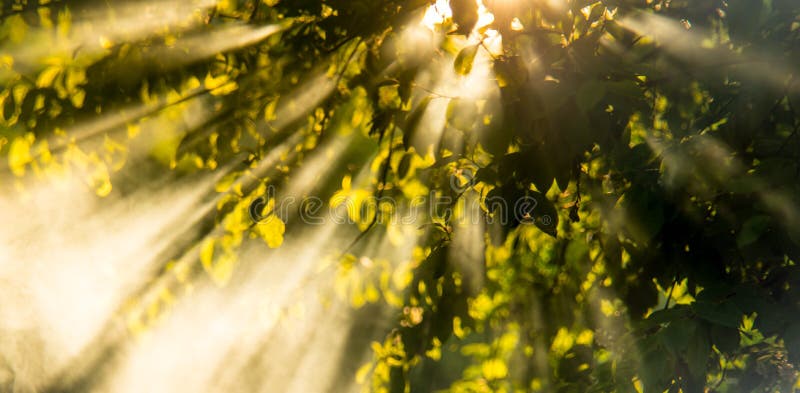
[(340, 75), (437, 95), (488, 51)]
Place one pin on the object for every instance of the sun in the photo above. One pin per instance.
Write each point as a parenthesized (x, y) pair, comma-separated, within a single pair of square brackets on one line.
[(437, 14)]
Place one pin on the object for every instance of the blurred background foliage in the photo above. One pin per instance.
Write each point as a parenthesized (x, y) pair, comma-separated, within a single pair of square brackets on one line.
[(659, 139)]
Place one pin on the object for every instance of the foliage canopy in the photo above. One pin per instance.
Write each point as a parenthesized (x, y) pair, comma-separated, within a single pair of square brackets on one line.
[(658, 139)]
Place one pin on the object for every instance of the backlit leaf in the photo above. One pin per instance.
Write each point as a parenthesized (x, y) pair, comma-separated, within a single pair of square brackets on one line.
[(271, 230), (464, 60)]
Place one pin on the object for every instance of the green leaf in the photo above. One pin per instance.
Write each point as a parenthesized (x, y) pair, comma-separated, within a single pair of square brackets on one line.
[(589, 94), (724, 314), (667, 316), (535, 166), (464, 60), (646, 214), (744, 17), (726, 339), (698, 351), (676, 335), (654, 370)]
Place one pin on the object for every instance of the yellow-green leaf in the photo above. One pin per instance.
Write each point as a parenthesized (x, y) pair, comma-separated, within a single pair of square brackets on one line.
[(211, 83), (271, 230), (17, 28), (77, 98), (19, 154), (207, 253), (361, 374), (226, 182), (75, 77), (494, 369), (47, 76)]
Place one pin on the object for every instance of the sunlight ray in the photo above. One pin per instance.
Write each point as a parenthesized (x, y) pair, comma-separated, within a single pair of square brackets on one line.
[(468, 230), (204, 44), (234, 334), (681, 166), (430, 195), (213, 324), (113, 337), (689, 46), (302, 98), (94, 31), (76, 278)]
